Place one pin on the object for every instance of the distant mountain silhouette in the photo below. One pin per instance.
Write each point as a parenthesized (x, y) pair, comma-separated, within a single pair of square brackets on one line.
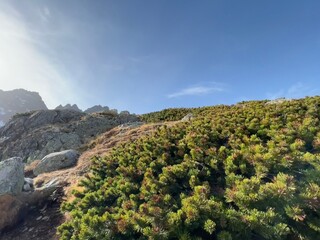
[(94, 109), (97, 108), (74, 107), (18, 101)]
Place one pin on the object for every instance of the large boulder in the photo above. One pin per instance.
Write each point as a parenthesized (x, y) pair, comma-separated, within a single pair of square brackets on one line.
[(187, 118), (56, 161), (11, 176)]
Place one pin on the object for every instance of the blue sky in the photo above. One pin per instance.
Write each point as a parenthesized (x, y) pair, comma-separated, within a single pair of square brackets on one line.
[(146, 55)]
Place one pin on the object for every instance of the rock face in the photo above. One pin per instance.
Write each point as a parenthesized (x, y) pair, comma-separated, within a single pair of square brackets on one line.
[(74, 107), (11, 176), (56, 161), (34, 135), (18, 101), (97, 108)]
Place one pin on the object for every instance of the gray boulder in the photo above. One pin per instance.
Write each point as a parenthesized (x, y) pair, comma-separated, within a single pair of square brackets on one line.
[(187, 118), (56, 161), (11, 176)]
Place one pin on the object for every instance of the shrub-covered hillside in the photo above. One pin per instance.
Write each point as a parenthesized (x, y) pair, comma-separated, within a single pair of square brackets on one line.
[(175, 114), (249, 171)]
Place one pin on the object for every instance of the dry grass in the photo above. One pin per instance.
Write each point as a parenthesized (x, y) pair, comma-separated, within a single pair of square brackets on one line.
[(28, 170)]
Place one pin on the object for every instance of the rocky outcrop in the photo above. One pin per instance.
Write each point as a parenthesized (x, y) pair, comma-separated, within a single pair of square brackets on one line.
[(73, 107), (278, 101), (187, 118), (96, 109), (56, 161), (11, 176), (18, 101), (34, 135)]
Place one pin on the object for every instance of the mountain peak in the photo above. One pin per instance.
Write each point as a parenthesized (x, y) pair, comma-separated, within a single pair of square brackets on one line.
[(18, 101)]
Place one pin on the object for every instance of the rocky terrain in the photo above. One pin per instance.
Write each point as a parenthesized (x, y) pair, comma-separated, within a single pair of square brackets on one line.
[(18, 101), (59, 168), (37, 218), (44, 153), (97, 108), (33, 135)]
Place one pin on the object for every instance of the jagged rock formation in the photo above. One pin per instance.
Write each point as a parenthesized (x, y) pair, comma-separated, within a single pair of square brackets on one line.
[(73, 107), (97, 108), (34, 135), (94, 109), (18, 101)]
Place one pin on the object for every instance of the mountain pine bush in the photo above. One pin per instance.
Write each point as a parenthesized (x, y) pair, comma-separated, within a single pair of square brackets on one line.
[(248, 171)]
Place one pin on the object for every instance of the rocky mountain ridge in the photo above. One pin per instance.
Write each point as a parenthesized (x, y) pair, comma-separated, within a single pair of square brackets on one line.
[(94, 109), (22, 101), (33, 135)]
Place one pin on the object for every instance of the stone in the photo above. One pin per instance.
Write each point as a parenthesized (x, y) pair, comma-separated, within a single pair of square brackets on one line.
[(187, 118), (278, 101), (56, 161), (11, 176), (28, 180), (28, 185)]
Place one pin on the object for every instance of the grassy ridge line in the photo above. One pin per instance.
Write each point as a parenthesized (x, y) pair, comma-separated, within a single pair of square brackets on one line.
[(175, 114), (248, 171)]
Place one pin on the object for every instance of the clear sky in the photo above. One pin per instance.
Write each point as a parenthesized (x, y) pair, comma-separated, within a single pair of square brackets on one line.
[(146, 55)]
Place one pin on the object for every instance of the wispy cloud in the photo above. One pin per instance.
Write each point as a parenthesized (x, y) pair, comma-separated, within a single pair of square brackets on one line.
[(297, 90), (45, 14), (198, 90)]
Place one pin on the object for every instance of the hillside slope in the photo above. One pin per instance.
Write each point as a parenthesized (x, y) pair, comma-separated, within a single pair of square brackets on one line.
[(35, 225), (247, 171)]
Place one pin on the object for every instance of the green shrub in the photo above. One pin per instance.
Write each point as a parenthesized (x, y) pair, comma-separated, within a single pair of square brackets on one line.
[(248, 171)]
